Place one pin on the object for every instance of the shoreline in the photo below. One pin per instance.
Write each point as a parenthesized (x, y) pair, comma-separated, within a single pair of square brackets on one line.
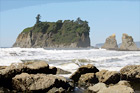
[(69, 48), (86, 73)]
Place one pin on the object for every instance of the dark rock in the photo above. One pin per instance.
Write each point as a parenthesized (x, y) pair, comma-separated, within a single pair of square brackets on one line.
[(83, 70), (71, 83), (87, 79), (38, 82), (128, 43), (135, 86), (111, 43), (108, 77), (131, 73), (96, 88), (52, 70)]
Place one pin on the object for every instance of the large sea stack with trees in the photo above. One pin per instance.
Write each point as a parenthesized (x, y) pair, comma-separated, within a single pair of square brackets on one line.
[(60, 34)]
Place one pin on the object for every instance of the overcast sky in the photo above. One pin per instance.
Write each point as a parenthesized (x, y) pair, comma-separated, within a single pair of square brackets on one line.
[(104, 17)]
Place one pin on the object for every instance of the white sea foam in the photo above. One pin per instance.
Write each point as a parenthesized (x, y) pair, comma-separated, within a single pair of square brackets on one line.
[(68, 59)]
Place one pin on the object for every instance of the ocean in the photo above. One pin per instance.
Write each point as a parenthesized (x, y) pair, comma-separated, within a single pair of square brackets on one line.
[(71, 59)]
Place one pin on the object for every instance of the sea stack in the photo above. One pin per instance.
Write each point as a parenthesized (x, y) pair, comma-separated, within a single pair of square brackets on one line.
[(128, 43), (60, 34), (110, 43)]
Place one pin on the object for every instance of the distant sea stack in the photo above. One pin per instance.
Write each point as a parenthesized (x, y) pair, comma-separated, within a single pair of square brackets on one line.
[(110, 43), (128, 43), (60, 34)]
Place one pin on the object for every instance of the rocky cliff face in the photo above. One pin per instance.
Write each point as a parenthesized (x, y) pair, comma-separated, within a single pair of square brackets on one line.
[(128, 43), (67, 34), (111, 43)]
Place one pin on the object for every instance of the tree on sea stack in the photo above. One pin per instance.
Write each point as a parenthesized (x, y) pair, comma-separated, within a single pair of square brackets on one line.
[(37, 19), (79, 21)]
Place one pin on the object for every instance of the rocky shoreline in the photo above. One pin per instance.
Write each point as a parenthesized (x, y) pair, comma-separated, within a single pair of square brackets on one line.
[(40, 77)]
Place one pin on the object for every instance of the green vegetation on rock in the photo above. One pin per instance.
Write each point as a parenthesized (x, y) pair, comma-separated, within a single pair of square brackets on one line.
[(67, 33), (62, 32), (26, 30)]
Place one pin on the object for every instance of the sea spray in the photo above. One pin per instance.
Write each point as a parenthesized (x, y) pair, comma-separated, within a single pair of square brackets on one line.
[(71, 59)]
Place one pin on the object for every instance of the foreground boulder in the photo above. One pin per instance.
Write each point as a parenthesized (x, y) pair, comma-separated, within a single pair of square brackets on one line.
[(108, 77), (37, 67), (9, 72), (87, 79), (31, 67), (128, 43), (125, 83), (120, 87), (117, 89), (131, 73), (83, 70), (38, 82), (110, 43), (96, 88)]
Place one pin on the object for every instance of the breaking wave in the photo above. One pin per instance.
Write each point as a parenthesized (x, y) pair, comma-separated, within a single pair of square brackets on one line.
[(73, 58)]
